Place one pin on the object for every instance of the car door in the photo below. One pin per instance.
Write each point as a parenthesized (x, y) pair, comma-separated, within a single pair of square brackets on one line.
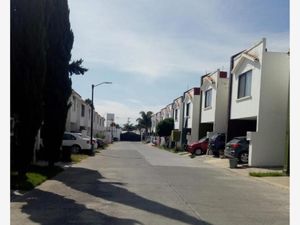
[(68, 140)]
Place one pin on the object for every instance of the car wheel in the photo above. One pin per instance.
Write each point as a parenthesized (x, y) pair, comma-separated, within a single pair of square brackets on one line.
[(243, 158), (75, 149), (198, 151)]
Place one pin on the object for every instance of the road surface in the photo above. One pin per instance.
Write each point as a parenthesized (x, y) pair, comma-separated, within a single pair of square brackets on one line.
[(134, 183)]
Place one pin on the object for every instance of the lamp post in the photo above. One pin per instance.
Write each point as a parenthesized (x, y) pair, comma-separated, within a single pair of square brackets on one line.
[(92, 114)]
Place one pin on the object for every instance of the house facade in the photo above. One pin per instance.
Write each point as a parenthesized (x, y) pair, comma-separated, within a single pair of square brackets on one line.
[(177, 113), (79, 116), (258, 104), (191, 115), (214, 103)]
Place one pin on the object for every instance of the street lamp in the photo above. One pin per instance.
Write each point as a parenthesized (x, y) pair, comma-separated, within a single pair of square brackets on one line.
[(92, 114)]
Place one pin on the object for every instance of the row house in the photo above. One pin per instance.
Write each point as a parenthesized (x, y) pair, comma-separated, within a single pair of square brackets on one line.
[(79, 116), (258, 106), (214, 103), (155, 119), (190, 114), (252, 101), (177, 112), (168, 111)]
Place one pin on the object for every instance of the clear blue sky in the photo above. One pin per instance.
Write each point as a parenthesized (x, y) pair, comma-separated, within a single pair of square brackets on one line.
[(153, 51)]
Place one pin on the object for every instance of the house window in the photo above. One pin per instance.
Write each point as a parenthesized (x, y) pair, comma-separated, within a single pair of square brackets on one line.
[(187, 109), (176, 114), (207, 102), (74, 103), (89, 113), (244, 88), (82, 110)]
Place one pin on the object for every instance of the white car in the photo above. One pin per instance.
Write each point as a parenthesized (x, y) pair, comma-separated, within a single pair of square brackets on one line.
[(76, 142), (85, 136)]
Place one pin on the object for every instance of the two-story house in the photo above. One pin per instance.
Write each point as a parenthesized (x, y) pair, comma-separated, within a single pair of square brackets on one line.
[(214, 103), (191, 115), (258, 104)]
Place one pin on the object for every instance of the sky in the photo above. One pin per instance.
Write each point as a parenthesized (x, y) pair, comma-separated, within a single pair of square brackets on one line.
[(153, 51)]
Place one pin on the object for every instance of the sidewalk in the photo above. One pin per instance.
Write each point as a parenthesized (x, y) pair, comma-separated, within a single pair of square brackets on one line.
[(283, 182)]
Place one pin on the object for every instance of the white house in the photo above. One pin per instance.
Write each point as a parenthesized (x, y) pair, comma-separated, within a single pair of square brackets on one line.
[(214, 102), (191, 114), (167, 112), (79, 116), (259, 102), (177, 112), (155, 119)]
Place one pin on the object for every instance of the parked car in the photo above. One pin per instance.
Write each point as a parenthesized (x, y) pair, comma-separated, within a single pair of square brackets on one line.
[(115, 139), (76, 142), (216, 143), (198, 147), (238, 148), (85, 136)]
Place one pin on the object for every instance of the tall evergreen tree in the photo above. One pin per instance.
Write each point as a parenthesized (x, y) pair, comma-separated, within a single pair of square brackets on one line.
[(28, 65), (58, 88)]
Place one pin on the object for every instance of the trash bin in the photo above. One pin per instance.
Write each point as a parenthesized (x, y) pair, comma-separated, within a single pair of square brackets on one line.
[(233, 163)]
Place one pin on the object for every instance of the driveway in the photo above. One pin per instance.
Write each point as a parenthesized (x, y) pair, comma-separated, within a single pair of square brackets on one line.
[(133, 183)]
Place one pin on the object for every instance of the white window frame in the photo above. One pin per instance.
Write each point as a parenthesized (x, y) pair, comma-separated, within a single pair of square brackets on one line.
[(244, 85), (208, 98)]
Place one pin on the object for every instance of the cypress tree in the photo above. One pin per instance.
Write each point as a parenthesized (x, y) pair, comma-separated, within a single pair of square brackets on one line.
[(58, 88), (28, 64)]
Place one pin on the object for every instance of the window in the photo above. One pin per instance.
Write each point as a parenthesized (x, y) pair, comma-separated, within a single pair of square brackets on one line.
[(244, 88), (187, 109), (207, 102), (89, 113), (82, 110), (69, 137), (176, 114), (74, 103)]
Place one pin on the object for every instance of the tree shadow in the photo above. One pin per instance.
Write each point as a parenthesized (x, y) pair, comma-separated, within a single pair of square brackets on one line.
[(47, 208), (89, 181)]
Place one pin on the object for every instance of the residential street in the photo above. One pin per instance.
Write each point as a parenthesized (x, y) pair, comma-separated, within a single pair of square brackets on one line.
[(134, 183)]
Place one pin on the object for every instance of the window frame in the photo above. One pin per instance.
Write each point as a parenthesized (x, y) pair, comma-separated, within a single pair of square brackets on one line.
[(206, 103), (244, 84), (176, 114), (82, 110), (187, 109)]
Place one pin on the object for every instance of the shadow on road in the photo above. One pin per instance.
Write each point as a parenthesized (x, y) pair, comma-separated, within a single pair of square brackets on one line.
[(47, 208), (91, 182)]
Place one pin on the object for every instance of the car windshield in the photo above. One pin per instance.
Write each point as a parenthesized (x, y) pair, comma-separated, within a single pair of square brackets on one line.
[(214, 136), (233, 141)]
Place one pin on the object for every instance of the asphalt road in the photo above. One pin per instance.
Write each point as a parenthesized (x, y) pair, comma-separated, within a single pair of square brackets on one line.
[(133, 183)]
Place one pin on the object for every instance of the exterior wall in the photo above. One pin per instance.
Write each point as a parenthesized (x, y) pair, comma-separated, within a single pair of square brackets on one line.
[(247, 107), (192, 96), (268, 103), (208, 114), (221, 112), (195, 118), (178, 104), (169, 111), (214, 117), (75, 122), (267, 145)]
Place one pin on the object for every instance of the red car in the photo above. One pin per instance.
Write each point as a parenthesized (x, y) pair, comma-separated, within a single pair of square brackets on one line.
[(199, 147)]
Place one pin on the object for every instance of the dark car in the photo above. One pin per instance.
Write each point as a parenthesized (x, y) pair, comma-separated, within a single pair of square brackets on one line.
[(238, 148), (115, 139), (216, 143), (100, 143), (198, 147)]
